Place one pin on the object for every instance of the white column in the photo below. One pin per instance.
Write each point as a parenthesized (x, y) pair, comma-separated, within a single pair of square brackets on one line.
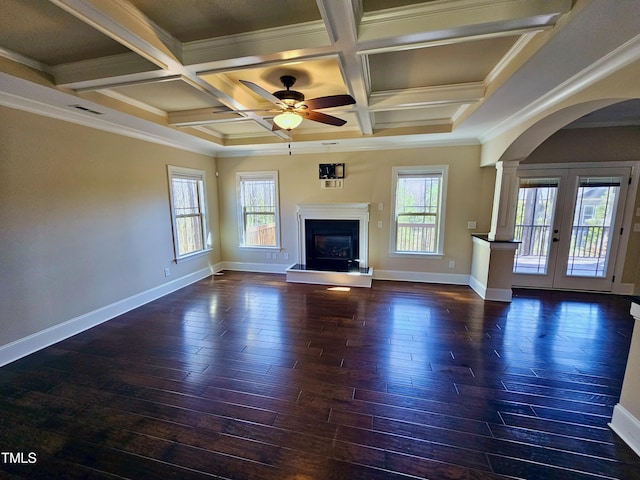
[(504, 201)]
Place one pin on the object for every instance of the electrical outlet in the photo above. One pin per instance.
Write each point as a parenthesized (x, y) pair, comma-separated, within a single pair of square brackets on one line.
[(269, 255), (452, 264), (636, 227), (286, 256), (379, 223), (380, 206), (471, 225), (167, 272)]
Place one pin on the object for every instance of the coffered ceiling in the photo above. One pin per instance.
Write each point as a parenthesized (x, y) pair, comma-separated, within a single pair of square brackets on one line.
[(419, 71)]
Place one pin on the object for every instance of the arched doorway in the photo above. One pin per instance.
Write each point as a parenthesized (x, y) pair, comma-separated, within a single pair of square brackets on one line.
[(575, 199)]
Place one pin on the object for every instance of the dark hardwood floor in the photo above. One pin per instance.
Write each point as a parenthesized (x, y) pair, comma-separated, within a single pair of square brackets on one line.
[(245, 376)]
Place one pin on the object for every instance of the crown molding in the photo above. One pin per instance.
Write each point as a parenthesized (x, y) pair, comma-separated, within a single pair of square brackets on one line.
[(509, 57), (29, 62), (352, 145)]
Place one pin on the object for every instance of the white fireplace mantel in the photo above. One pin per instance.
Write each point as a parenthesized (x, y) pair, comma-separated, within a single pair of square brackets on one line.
[(335, 211)]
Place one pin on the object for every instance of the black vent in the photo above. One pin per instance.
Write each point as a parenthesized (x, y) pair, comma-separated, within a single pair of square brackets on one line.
[(85, 109)]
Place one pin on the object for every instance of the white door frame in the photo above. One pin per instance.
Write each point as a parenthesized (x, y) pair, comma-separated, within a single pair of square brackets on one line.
[(543, 169)]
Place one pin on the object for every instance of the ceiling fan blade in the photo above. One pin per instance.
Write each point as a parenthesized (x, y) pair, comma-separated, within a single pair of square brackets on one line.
[(324, 118), (245, 111), (329, 101), (261, 91)]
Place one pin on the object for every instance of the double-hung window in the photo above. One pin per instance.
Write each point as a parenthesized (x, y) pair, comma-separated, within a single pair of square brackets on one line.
[(188, 211), (418, 209), (258, 209)]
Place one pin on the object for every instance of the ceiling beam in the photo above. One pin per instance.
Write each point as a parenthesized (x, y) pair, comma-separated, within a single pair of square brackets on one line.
[(438, 23), (212, 55), (124, 23), (272, 44), (341, 21), (428, 96)]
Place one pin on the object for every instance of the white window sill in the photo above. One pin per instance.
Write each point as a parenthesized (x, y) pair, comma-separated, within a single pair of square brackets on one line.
[(189, 256), (417, 254), (257, 247)]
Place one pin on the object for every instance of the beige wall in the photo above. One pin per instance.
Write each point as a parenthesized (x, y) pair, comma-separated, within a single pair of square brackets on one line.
[(589, 145), (368, 179), (85, 220)]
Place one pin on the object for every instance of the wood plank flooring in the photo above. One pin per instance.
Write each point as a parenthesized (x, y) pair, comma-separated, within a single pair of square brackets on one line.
[(244, 376)]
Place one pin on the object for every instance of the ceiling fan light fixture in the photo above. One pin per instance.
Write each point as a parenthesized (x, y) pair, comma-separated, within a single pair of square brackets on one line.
[(287, 120)]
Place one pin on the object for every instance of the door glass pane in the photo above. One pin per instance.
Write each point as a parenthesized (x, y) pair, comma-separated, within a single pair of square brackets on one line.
[(594, 213), (534, 222)]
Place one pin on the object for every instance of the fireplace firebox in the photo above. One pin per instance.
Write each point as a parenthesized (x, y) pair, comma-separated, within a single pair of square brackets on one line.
[(332, 245)]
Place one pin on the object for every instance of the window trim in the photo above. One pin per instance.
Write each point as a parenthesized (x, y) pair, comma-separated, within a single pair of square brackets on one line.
[(443, 172), (271, 175), (200, 176)]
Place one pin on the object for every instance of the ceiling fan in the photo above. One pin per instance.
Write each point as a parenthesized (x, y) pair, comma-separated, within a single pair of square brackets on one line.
[(293, 107)]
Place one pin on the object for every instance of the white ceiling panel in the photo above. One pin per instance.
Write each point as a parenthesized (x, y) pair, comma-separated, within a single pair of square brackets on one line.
[(169, 95)]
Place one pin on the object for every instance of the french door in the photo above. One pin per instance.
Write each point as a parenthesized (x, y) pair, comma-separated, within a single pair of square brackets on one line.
[(569, 224)]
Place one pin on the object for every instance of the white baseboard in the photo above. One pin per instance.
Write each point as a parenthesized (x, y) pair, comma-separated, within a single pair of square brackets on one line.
[(627, 427), (403, 276), (493, 294), (218, 267), (44, 338), (422, 277), (623, 288)]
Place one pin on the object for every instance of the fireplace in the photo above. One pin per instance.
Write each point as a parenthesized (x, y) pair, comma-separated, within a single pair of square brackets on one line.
[(332, 245)]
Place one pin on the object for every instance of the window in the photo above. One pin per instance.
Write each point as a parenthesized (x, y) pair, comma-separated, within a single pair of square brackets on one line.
[(418, 211), (259, 217), (188, 211)]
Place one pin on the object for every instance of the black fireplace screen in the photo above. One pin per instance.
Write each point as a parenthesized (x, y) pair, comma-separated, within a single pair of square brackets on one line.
[(332, 244), (333, 247)]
